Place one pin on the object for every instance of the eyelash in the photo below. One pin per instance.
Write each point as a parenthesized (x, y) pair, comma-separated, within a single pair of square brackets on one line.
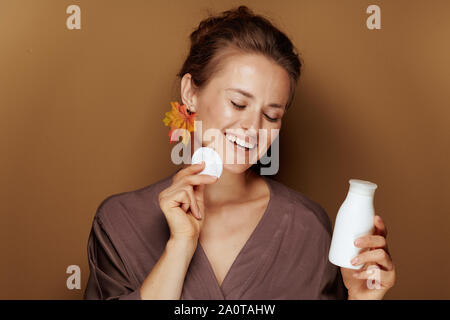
[(239, 107)]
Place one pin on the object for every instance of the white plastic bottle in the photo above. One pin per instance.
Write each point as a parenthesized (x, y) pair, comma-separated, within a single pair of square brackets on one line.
[(354, 219)]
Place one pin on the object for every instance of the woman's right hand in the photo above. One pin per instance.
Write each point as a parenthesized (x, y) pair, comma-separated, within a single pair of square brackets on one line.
[(182, 202)]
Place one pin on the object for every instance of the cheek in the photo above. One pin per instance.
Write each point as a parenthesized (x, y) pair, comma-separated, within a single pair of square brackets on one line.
[(223, 111), (217, 116), (275, 133), (266, 138), (269, 143), (271, 133)]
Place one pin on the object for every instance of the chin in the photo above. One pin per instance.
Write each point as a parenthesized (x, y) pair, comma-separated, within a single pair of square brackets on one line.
[(236, 168)]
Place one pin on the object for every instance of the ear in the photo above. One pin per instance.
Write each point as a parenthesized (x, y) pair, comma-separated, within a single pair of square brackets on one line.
[(188, 92)]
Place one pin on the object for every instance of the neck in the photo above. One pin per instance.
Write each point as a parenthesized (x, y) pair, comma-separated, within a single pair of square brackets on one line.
[(229, 188)]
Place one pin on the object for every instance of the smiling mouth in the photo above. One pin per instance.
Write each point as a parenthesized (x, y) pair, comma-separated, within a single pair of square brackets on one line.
[(240, 143)]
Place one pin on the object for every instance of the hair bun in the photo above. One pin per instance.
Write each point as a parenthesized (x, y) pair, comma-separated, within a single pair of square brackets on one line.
[(210, 23)]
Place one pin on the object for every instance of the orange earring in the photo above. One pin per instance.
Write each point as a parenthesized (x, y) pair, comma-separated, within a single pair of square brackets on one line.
[(180, 117)]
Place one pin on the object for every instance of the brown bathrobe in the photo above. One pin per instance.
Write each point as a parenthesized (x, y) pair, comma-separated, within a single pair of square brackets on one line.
[(286, 256)]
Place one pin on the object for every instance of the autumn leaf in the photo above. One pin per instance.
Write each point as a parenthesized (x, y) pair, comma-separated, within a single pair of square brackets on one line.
[(178, 117)]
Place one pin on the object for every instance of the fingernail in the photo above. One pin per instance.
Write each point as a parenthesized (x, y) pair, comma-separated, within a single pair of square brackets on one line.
[(354, 260), (357, 242)]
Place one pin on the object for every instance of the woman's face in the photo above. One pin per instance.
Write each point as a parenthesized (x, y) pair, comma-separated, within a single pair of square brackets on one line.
[(245, 99)]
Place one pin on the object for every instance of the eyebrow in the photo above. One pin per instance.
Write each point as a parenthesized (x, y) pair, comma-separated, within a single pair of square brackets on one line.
[(249, 95)]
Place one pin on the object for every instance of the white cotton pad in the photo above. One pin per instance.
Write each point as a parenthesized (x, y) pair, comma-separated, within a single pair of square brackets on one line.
[(213, 162)]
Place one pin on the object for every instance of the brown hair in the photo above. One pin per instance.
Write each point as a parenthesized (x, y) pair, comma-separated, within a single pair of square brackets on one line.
[(240, 30)]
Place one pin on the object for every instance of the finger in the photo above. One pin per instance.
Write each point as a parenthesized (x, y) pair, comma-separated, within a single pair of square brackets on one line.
[(380, 227), (379, 256), (194, 207), (374, 273), (185, 207), (198, 179), (189, 170), (370, 241), (179, 198), (184, 198), (199, 191)]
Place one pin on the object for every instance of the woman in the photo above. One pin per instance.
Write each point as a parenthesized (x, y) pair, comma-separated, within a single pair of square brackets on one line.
[(243, 236)]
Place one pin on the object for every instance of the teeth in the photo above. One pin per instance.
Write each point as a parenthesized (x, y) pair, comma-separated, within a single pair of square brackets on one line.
[(239, 141)]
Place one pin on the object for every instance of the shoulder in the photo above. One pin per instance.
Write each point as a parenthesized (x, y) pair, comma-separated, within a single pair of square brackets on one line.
[(132, 226), (303, 209), (138, 204)]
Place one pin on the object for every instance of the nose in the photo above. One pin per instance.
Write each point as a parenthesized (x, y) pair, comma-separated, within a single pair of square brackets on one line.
[(251, 122)]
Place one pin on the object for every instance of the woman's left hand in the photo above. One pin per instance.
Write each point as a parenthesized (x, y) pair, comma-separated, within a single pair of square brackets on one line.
[(377, 276)]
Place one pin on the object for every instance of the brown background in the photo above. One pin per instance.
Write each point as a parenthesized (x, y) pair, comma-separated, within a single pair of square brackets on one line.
[(81, 118)]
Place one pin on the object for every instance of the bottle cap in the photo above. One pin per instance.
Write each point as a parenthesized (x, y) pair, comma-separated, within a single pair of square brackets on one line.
[(362, 187), (213, 162)]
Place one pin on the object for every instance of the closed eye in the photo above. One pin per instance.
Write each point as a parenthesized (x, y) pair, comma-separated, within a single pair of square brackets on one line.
[(239, 107), (271, 119)]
